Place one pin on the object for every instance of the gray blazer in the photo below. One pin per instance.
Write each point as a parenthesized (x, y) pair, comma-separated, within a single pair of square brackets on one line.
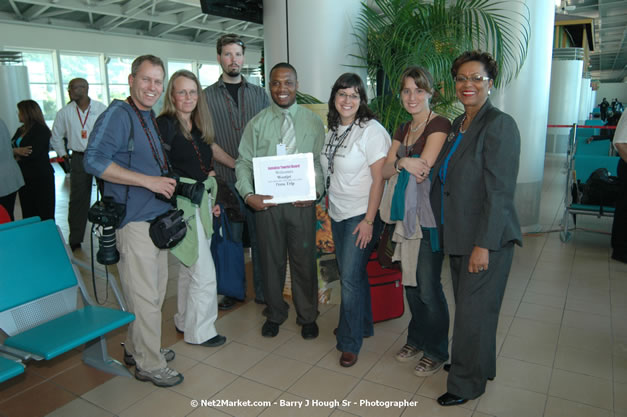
[(10, 174), (477, 199)]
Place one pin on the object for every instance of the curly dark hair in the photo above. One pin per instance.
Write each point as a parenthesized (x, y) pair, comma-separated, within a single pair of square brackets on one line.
[(349, 80), (489, 64)]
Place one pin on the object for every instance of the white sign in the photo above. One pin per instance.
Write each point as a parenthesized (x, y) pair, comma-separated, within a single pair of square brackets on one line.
[(287, 178)]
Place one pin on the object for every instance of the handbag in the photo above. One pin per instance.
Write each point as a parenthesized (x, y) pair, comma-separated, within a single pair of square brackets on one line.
[(168, 229), (228, 257)]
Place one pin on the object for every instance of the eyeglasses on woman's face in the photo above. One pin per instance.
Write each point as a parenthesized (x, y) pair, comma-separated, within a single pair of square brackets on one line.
[(186, 93), (342, 95), (475, 78)]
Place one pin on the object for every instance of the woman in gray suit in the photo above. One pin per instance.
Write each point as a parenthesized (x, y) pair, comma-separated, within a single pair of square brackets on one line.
[(473, 191)]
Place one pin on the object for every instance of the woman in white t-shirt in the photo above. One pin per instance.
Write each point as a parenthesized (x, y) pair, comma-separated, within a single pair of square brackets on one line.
[(352, 160)]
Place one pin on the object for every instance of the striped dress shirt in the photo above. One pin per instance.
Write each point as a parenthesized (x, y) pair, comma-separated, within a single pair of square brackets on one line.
[(230, 118)]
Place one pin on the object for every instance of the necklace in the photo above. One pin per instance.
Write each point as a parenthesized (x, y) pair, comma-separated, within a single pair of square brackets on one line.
[(334, 144), (409, 148), (415, 129), (461, 126)]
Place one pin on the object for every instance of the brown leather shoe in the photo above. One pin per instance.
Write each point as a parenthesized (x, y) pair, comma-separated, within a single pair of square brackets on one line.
[(348, 359)]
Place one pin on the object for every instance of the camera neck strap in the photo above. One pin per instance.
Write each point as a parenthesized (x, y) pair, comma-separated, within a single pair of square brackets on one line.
[(199, 155), (164, 165)]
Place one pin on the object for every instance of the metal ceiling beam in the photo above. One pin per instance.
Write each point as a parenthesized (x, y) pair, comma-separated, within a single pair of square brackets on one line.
[(183, 18), (33, 12), (16, 10)]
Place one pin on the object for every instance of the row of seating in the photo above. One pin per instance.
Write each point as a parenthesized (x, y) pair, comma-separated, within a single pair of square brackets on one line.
[(582, 160), (40, 317)]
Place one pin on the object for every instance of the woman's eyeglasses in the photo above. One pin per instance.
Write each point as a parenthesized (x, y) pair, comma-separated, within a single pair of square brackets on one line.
[(475, 78)]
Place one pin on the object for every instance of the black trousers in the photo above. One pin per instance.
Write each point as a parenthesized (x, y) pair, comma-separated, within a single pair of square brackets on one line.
[(619, 226), (284, 231), (37, 196), (80, 197), (478, 299)]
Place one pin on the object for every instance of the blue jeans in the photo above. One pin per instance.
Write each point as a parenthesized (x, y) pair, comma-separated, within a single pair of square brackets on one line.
[(237, 229), (428, 328), (355, 309)]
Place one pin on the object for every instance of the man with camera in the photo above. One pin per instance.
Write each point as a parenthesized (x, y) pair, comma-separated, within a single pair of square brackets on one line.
[(75, 122), (233, 101), (125, 150)]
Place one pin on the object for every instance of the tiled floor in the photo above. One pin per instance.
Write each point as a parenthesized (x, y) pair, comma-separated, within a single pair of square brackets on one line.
[(562, 342)]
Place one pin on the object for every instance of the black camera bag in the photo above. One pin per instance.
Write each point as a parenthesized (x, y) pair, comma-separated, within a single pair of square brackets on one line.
[(168, 229)]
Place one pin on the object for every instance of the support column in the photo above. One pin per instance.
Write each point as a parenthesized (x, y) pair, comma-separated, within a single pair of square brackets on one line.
[(316, 37), (584, 100), (566, 73), (526, 99)]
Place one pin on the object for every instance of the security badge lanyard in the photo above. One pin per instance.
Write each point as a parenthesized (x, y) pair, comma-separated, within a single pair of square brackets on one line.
[(333, 145), (83, 122)]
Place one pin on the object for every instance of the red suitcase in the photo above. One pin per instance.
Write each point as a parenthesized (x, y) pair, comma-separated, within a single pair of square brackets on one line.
[(386, 291)]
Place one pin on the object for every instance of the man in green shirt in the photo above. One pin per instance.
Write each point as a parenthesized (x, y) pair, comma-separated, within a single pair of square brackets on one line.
[(289, 228)]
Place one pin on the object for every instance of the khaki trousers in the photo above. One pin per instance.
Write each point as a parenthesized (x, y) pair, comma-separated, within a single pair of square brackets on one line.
[(144, 275)]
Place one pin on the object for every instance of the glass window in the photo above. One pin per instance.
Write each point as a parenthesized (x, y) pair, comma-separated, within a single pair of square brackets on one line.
[(118, 69), (174, 66), (208, 74), (82, 66), (44, 86)]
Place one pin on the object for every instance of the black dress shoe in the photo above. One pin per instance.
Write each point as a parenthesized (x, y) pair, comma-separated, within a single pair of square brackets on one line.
[(309, 331), (227, 303), (447, 368), (448, 399), (215, 341), (348, 359), (270, 329), (75, 246)]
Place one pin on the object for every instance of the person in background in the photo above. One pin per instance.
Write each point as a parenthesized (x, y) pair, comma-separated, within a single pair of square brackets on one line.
[(415, 148), (75, 122), (290, 228), (474, 180), (352, 158), (619, 224), (187, 132), (31, 143), (233, 102), (603, 107), (11, 178)]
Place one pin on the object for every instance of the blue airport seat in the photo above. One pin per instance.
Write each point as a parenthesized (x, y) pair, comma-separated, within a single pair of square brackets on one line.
[(38, 300), (9, 369)]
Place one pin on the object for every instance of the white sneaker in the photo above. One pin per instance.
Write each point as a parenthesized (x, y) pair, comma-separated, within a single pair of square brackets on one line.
[(164, 377), (168, 354)]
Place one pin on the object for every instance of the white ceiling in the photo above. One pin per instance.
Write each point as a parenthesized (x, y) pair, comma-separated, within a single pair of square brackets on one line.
[(183, 20)]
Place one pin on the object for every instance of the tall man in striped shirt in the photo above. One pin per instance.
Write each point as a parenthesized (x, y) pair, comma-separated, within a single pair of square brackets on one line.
[(233, 102)]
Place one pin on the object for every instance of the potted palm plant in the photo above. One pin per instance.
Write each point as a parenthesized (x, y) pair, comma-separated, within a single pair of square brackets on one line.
[(393, 34)]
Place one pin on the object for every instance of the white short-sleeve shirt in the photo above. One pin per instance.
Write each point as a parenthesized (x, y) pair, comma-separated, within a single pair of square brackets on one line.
[(350, 180)]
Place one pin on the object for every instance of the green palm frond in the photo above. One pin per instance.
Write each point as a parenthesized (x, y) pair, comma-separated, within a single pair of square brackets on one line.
[(393, 34)]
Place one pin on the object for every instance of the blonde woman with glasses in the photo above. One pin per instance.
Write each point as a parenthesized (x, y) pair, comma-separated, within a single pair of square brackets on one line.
[(187, 130)]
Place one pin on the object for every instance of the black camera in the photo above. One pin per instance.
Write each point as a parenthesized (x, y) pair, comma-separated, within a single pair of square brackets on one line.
[(107, 214), (193, 192)]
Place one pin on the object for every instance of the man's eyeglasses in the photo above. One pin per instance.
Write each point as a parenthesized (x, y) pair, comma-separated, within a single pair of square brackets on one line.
[(343, 95), (475, 78)]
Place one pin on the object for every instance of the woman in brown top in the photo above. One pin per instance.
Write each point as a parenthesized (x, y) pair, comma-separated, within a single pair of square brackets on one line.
[(414, 150)]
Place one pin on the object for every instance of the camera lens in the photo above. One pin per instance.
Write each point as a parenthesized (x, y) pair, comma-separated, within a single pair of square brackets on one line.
[(107, 254)]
